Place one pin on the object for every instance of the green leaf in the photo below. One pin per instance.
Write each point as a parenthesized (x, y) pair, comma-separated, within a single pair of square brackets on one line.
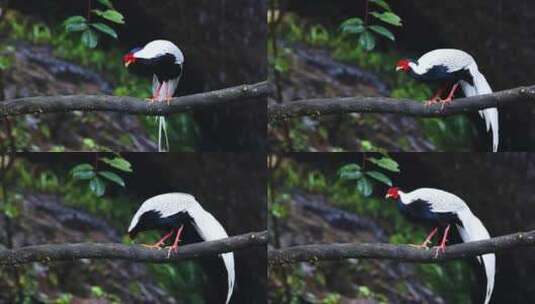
[(112, 177), (364, 186), (367, 41), (353, 26), (111, 15), (386, 163), (105, 29), (388, 17), (74, 20), (352, 21), (82, 167), (354, 29), (381, 30), (82, 172), (380, 177), (350, 172), (97, 186), (118, 163), (106, 3), (90, 38), (382, 3), (75, 27)]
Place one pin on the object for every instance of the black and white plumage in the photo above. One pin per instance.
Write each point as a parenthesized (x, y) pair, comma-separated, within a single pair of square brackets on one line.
[(442, 209), (181, 214), (164, 61), (452, 67)]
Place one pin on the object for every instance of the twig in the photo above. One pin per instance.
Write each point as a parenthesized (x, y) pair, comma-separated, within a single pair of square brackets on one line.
[(402, 253), (331, 106), (132, 105), (135, 253)]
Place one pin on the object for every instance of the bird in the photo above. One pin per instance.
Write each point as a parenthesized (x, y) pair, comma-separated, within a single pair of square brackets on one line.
[(164, 61), (443, 209), (180, 214), (453, 68)]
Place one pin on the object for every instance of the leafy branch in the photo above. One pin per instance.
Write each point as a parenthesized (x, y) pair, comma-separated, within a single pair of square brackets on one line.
[(90, 30), (99, 179), (366, 178), (365, 31)]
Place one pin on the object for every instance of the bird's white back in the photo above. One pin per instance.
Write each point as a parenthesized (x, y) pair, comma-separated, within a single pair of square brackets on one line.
[(453, 59), (160, 47), (440, 200)]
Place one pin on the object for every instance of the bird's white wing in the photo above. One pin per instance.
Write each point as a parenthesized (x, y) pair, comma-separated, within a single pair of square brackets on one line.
[(472, 229), (160, 47), (452, 59), (210, 229), (440, 200), (167, 204)]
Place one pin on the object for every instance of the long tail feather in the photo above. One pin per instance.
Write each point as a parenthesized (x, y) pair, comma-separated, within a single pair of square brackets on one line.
[(472, 229), (480, 87), (162, 131)]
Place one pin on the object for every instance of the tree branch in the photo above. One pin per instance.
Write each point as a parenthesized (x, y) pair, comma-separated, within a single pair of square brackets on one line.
[(402, 253), (330, 106), (132, 105), (134, 253)]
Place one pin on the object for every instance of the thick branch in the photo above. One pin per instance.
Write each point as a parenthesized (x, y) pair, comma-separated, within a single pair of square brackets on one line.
[(132, 105), (403, 253), (330, 106), (136, 253)]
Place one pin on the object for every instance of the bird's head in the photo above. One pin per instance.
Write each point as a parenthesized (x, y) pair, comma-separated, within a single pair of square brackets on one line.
[(392, 193), (403, 65), (130, 58)]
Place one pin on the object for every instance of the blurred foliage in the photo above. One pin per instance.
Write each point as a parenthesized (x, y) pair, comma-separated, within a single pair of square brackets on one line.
[(451, 280), (182, 129), (450, 133), (181, 280), (366, 32)]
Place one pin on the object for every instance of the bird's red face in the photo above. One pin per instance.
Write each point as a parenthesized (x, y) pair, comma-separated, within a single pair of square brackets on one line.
[(128, 59), (392, 193), (403, 65)]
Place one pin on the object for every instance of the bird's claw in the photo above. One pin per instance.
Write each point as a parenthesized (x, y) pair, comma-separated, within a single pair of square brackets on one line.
[(443, 102), (424, 245), (172, 249), (439, 249), (154, 246)]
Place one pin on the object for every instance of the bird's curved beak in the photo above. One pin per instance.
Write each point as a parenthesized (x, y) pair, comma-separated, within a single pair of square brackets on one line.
[(398, 68), (388, 195), (127, 63)]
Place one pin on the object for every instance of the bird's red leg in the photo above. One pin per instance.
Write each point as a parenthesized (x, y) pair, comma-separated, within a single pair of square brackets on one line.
[(154, 98), (450, 95), (161, 241), (427, 239), (442, 246), (174, 248), (436, 97)]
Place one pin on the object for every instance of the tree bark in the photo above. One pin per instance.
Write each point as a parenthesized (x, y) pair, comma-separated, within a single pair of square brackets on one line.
[(132, 105), (332, 106), (402, 253), (134, 253)]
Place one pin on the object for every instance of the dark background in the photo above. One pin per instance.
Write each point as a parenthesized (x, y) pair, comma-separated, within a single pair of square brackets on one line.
[(223, 43), (498, 188)]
